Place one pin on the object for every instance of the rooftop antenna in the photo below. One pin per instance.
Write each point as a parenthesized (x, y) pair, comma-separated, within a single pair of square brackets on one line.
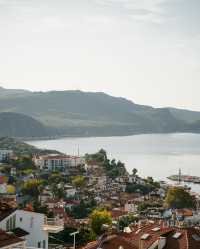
[(179, 176)]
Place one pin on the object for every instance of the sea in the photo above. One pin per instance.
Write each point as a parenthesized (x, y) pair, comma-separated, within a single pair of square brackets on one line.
[(156, 155)]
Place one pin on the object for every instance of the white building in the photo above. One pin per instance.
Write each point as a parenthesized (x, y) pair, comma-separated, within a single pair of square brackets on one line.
[(70, 191), (3, 188), (5, 155), (36, 225), (130, 207), (54, 162)]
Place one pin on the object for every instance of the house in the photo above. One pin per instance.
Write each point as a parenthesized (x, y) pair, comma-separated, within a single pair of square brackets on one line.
[(3, 188), (70, 191), (44, 197), (60, 213), (13, 171), (11, 241), (131, 206), (36, 225), (9, 199), (151, 235), (55, 203), (59, 162), (69, 204), (5, 155), (117, 213)]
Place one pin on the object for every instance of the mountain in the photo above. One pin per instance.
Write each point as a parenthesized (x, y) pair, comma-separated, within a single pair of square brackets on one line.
[(78, 113), (19, 125), (8, 92)]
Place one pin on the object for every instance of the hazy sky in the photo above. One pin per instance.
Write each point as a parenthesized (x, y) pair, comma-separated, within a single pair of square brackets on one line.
[(145, 50)]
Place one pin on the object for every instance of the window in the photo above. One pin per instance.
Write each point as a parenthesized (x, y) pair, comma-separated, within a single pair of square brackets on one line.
[(7, 225), (39, 244), (44, 244), (20, 219), (31, 222), (14, 221), (11, 223)]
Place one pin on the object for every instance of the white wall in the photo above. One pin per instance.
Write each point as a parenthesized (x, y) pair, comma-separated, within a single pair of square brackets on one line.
[(33, 224)]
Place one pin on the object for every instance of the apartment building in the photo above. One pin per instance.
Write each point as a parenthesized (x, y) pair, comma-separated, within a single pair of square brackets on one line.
[(59, 162)]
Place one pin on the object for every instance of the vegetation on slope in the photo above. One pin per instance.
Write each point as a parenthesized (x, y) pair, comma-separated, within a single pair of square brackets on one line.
[(77, 113), (21, 148)]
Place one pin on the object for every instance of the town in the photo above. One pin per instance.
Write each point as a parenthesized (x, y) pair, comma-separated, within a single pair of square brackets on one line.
[(54, 200)]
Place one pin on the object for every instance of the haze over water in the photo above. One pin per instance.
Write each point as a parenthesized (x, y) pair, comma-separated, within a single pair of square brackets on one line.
[(157, 155)]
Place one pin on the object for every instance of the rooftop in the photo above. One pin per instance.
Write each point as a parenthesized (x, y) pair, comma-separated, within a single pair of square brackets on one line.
[(58, 157), (7, 239), (5, 210), (151, 235)]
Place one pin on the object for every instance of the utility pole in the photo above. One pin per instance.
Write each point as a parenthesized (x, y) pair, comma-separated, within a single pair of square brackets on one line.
[(179, 176), (74, 234)]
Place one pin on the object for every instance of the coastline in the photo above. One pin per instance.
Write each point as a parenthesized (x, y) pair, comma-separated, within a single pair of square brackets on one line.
[(26, 139)]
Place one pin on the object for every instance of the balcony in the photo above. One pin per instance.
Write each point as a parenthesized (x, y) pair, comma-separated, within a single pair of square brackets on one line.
[(52, 225)]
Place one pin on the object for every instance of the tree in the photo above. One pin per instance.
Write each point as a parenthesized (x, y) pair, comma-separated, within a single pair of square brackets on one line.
[(83, 209), (134, 171), (78, 181), (177, 197), (141, 188), (126, 221), (11, 189), (99, 218), (23, 163), (84, 236), (32, 187)]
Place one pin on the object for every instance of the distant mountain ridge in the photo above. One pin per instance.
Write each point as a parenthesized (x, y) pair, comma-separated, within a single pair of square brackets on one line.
[(20, 125), (78, 113)]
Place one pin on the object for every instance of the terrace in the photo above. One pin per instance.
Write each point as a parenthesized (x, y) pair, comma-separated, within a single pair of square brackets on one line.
[(53, 225)]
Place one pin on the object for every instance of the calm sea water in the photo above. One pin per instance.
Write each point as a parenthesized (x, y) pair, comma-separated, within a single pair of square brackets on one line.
[(157, 155)]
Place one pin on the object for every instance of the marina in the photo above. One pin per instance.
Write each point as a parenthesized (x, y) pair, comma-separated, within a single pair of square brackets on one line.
[(184, 178)]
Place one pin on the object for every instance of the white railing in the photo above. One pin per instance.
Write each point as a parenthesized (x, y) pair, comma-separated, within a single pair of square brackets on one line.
[(31, 247), (53, 222)]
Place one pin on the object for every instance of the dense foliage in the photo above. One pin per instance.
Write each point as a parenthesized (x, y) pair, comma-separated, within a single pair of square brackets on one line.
[(179, 198), (83, 209), (139, 188), (78, 181), (126, 221), (32, 187), (98, 219), (112, 168), (84, 236), (20, 148)]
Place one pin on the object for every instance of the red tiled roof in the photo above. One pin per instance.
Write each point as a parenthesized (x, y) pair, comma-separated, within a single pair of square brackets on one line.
[(5, 210), (7, 239), (133, 240), (116, 213), (58, 157), (186, 240)]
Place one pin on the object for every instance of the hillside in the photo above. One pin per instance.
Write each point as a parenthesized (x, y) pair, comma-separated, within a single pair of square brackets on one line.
[(21, 148), (19, 125), (77, 113)]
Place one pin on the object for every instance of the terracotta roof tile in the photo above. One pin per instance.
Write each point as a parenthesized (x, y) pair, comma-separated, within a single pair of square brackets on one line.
[(8, 239)]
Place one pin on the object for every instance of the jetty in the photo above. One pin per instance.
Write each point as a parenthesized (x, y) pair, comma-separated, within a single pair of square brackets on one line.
[(185, 178)]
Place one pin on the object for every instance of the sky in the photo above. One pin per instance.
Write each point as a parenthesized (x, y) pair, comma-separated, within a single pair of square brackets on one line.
[(145, 50)]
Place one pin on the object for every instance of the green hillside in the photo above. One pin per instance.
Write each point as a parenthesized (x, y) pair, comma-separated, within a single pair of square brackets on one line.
[(77, 113)]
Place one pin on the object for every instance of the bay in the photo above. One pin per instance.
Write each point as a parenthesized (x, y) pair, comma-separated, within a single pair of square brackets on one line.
[(156, 155)]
